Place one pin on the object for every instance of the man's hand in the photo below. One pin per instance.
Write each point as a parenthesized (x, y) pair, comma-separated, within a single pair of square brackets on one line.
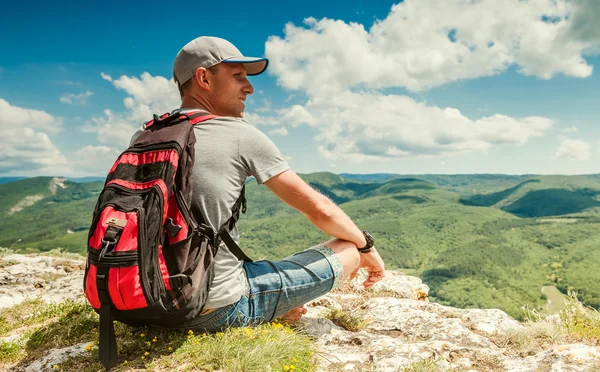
[(375, 267)]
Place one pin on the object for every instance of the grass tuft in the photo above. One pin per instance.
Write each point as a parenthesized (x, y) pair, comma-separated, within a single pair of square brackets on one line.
[(343, 319), (576, 323), (425, 365), (273, 346), (10, 351)]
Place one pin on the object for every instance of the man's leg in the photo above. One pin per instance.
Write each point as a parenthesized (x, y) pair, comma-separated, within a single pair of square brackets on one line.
[(349, 257)]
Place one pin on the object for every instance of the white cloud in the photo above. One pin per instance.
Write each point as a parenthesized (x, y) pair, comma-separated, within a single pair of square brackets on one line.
[(25, 146), (427, 43), (573, 149), (112, 128), (342, 68), (280, 131), (12, 117), (147, 95), (571, 129), (373, 126), (79, 99), (95, 159)]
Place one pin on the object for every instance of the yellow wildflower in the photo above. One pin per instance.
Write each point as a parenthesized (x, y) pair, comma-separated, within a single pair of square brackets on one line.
[(142, 335), (190, 332), (286, 368), (154, 339), (294, 360), (55, 366), (220, 334), (170, 348), (292, 367), (124, 362), (146, 353), (148, 343), (204, 334)]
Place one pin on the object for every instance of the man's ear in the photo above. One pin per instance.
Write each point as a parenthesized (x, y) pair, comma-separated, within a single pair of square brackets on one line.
[(201, 77)]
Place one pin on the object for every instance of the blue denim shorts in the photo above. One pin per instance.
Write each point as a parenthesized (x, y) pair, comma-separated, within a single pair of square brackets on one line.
[(276, 287)]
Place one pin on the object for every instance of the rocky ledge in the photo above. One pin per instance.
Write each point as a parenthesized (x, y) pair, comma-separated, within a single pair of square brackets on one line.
[(391, 327)]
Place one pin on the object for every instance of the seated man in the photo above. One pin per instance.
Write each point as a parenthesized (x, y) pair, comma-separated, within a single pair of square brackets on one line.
[(211, 74)]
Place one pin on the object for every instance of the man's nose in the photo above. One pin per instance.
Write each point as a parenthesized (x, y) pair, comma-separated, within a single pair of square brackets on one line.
[(248, 88)]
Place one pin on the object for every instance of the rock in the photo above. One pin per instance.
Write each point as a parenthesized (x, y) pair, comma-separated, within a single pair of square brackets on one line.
[(401, 330), (53, 279), (55, 357), (490, 321), (575, 357), (399, 284)]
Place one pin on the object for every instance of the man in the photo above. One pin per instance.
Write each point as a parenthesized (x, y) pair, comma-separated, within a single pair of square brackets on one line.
[(211, 75)]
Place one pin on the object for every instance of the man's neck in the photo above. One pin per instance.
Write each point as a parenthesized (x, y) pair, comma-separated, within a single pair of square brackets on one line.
[(193, 103)]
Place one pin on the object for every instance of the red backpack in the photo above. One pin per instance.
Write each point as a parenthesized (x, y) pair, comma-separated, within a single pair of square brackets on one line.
[(150, 256)]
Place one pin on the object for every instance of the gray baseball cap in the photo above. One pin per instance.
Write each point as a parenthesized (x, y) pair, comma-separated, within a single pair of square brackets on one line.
[(207, 51)]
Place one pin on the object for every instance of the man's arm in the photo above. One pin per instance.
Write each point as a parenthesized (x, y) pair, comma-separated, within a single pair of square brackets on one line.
[(328, 217), (319, 210)]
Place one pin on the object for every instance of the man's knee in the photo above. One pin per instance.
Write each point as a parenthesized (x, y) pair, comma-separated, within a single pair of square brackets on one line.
[(347, 253)]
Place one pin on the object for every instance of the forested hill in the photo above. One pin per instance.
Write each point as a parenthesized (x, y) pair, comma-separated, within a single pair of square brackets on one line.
[(478, 240)]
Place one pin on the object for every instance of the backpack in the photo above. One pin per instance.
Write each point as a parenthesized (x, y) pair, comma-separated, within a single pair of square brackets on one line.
[(150, 256)]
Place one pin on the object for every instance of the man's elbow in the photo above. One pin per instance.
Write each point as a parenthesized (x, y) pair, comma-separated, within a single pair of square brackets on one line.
[(324, 211)]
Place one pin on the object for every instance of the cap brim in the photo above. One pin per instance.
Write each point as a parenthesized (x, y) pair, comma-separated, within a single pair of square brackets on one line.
[(254, 66)]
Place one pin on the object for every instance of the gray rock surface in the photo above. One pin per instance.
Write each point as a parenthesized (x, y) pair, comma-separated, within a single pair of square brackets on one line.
[(53, 279), (400, 326)]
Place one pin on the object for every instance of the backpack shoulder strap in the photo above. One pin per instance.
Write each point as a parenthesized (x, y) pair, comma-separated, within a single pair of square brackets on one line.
[(223, 233)]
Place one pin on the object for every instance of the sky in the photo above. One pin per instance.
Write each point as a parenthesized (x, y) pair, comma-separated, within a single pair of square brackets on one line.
[(355, 86)]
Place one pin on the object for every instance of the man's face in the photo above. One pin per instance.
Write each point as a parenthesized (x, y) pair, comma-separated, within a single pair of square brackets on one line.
[(229, 89)]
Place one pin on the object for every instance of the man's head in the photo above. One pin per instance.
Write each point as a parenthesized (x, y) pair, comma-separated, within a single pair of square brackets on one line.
[(212, 72)]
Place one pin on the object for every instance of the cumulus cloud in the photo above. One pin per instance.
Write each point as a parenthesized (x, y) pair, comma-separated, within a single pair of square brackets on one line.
[(282, 131), (427, 43), (342, 70), (146, 95), (571, 129), (79, 99), (12, 117), (25, 145), (95, 159), (573, 149), (373, 126)]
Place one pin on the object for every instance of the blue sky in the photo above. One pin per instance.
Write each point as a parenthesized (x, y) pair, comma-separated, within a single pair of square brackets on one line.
[(361, 87)]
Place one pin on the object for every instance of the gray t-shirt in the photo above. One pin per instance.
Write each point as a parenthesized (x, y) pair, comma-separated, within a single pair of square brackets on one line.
[(228, 151)]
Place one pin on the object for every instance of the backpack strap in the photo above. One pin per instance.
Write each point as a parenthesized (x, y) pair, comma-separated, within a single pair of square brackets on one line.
[(223, 232), (108, 355)]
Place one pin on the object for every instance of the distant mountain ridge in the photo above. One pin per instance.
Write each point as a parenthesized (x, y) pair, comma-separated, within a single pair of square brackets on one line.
[(476, 249)]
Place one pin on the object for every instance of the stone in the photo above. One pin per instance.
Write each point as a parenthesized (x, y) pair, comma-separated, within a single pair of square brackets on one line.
[(401, 285)]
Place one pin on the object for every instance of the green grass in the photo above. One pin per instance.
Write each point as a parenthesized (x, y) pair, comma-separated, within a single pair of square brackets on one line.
[(425, 365), (577, 323), (347, 321), (42, 327)]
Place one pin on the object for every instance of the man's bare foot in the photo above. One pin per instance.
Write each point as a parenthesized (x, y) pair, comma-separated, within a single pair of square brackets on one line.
[(294, 314)]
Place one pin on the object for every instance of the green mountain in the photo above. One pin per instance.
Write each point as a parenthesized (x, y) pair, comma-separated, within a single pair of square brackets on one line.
[(488, 249), (543, 196)]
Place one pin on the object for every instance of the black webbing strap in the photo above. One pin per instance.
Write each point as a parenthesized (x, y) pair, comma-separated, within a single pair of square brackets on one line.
[(232, 245), (223, 232), (240, 204), (107, 352)]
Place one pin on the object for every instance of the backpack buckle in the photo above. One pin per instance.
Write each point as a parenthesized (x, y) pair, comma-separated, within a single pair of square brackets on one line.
[(180, 280)]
